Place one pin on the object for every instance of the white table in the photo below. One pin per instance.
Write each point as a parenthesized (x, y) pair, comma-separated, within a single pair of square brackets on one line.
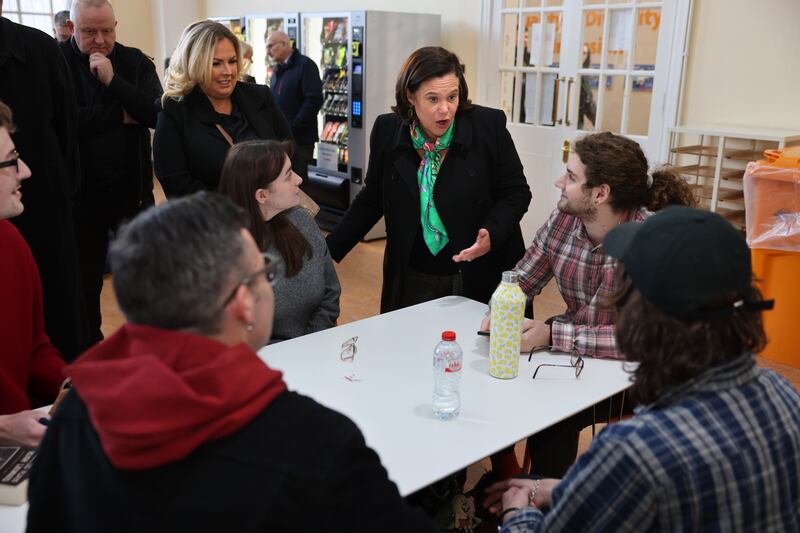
[(391, 396), (390, 399)]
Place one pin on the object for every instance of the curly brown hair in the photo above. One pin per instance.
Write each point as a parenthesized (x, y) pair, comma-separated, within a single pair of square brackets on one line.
[(670, 351), (620, 162)]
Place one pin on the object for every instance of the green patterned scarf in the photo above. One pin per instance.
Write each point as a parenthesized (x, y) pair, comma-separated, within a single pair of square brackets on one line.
[(433, 230)]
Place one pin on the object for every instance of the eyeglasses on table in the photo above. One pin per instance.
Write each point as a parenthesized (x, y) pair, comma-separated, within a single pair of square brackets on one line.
[(349, 350), (575, 361)]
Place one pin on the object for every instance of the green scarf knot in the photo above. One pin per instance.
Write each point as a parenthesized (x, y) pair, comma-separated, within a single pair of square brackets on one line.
[(433, 230)]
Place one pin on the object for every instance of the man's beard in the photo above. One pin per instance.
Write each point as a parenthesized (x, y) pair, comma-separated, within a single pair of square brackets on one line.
[(583, 209)]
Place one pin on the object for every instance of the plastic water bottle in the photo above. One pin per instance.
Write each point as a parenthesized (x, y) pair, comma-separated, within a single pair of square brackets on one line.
[(447, 357)]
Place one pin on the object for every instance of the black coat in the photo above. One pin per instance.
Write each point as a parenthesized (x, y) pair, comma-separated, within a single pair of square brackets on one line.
[(189, 150), (480, 185), (297, 466), (36, 84), (111, 150), (298, 90)]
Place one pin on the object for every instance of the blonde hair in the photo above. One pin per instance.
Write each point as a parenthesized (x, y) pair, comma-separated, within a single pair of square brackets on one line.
[(246, 63), (192, 60)]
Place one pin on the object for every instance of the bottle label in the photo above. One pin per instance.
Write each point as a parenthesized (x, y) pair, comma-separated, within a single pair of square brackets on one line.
[(453, 366)]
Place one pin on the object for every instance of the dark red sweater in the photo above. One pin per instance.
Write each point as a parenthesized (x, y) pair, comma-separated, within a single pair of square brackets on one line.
[(30, 367)]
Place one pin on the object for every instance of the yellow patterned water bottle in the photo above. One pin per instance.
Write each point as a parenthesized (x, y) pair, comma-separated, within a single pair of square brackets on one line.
[(508, 310)]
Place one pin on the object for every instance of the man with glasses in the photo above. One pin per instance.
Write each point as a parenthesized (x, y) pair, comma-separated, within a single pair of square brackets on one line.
[(297, 88), (30, 367), (174, 423), (715, 445)]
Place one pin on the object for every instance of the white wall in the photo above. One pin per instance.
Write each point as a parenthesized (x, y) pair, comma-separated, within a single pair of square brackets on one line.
[(743, 66), (461, 19), (135, 24)]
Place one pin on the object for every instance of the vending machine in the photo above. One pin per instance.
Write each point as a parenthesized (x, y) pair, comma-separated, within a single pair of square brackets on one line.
[(359, 54), (235, 24), (258, 28)]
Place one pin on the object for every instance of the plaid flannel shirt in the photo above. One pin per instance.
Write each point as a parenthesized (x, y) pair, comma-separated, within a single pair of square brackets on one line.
[(585, 277), (719, 453)]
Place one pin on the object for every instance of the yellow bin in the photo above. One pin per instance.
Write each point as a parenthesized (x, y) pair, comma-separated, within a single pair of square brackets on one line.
[(772, 194)]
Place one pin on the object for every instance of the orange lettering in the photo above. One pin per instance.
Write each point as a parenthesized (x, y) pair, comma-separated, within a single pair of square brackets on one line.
[(651, 18), (594, 18)]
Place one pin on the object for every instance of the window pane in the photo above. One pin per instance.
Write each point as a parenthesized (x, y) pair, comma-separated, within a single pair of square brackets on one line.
[(13, 17), (648, 24), (611, 103), (507, 94), (548, 104), (592, 35), (619, 37), (35, 6), (509, 40), (42, 22), (639, 105), (549, 51), (10, 5), (531, 3), (587, 105), (554, 3), (593, 2), (510, 3), (527, 111)]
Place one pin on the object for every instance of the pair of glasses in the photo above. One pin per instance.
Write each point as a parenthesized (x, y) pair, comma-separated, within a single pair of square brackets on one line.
[(270, 271), (575, 361), (14, 162), (349, 350)]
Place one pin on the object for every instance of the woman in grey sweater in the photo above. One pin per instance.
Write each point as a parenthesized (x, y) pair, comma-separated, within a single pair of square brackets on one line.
[(258, 176)]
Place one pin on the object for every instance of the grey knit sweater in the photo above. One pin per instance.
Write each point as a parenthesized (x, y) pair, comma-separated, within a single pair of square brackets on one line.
[(308, 301)]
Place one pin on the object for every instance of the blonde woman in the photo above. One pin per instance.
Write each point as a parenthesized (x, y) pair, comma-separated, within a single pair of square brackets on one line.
[(206, 110)]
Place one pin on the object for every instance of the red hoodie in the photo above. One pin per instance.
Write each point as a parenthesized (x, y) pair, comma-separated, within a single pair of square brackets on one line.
[(156, 395), (30, 367)]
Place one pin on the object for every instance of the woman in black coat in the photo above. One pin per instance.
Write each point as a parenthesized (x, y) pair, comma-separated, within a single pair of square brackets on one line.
[(447, 177), (206, 110)]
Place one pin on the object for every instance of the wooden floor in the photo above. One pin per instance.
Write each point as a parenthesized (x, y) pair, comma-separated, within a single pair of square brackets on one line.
[(360, 274)]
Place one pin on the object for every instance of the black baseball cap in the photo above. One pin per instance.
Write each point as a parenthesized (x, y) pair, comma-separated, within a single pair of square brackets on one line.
[(685, 261)]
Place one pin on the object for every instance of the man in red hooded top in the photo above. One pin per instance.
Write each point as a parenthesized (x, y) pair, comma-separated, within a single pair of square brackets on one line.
[(30, 367), (175, 424)]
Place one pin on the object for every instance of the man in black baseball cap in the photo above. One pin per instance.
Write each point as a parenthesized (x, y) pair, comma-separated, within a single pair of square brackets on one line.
[(690, 264), (715, 443)]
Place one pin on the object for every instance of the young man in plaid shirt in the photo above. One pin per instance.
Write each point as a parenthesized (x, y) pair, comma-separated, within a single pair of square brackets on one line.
[(715, 444), (606, 183)]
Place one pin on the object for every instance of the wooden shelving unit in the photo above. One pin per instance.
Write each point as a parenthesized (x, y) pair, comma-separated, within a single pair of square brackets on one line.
[(713, 160)]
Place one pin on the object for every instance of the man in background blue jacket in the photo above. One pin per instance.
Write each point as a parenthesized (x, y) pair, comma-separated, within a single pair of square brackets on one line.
[(297, 88)]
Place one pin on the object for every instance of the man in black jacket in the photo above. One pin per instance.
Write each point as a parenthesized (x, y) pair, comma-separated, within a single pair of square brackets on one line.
[(175, 424), (298, 90), (116, 87), (36, 83)]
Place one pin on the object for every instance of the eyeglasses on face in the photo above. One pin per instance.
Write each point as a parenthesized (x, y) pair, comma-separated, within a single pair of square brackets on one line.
[(575, 361), (349, 350), (270, 272), (13, 162)]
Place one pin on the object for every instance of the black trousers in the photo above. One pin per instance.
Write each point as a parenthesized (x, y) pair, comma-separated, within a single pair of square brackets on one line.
[(419, 287), (99, 212), (553, 450)]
